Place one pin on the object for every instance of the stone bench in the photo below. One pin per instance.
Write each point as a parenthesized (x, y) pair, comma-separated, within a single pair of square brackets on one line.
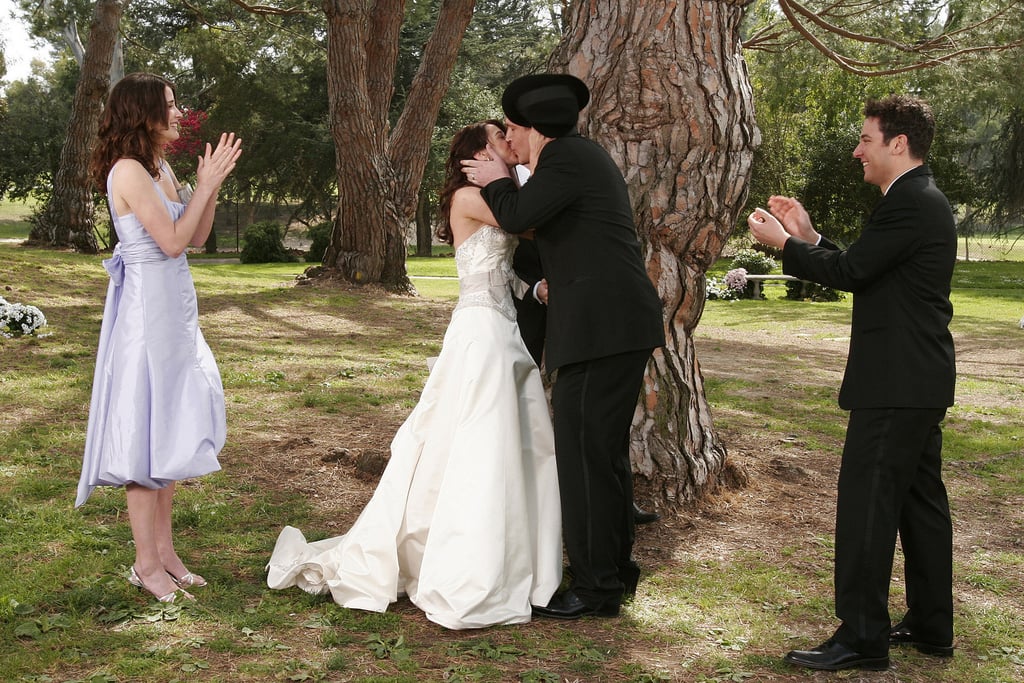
[(759, 280)]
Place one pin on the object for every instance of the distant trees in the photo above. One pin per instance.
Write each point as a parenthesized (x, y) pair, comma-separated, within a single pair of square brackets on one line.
[(1005, 177), (957, 55), (264, 77), (33, 123)]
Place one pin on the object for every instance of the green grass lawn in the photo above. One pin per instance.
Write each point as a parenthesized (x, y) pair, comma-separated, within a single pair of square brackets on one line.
[(311, 370), (14, 219)]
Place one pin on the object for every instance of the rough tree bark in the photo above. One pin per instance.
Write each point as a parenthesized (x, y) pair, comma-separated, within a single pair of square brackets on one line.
[(379, 171), (671, 101), (67, 217)]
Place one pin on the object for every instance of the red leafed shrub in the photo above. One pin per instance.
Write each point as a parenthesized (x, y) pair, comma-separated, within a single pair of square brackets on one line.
[(182, 153)]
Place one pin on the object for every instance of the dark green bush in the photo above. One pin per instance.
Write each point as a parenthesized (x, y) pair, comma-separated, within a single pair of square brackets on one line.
[(321, 236), (812, 291), (264, 243)]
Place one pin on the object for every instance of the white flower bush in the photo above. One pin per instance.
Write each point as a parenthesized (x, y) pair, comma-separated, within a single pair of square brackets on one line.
[(729, 288), (17, 320), (754, 262)]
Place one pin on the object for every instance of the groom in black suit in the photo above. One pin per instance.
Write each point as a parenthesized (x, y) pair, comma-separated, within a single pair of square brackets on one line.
[(899, 380), (604, 320)]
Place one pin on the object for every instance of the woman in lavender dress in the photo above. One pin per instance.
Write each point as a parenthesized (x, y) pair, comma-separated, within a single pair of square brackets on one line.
[(157, 411)]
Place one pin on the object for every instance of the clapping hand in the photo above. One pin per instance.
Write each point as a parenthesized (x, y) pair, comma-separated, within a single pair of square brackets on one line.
[(787, 218), (217, 163), (766, 228)]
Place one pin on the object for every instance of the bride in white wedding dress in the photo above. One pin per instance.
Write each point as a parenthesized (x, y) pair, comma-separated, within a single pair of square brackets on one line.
[(465, 519)]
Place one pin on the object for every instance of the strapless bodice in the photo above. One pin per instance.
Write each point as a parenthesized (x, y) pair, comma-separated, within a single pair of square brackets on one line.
[(484, 264)]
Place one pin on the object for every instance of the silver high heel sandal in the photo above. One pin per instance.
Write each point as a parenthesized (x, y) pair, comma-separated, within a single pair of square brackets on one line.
[(135, 580), (190, 580)]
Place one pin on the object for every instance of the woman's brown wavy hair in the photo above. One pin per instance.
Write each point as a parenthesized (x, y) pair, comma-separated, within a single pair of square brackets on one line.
[(135, 108), (465, 143)]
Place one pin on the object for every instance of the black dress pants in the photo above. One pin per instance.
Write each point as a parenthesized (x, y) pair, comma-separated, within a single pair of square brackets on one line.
[(890, 482), (593, 403)]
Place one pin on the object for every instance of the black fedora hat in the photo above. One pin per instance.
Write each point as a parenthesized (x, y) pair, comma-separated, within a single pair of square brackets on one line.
[(551, 103)]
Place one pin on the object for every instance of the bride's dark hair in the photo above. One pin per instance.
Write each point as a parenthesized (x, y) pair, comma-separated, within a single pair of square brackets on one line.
[(465, 143)]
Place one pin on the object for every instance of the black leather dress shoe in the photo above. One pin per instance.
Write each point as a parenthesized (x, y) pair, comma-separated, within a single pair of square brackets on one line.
[(833, 656), (901, 634), (568, 605), (643, 517)]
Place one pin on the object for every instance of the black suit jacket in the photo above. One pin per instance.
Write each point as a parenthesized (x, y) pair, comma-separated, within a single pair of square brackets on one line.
[(600, 299), (899, 270)]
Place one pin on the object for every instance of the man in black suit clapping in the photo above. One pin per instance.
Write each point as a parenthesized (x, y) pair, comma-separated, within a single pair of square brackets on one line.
[(899, 380)]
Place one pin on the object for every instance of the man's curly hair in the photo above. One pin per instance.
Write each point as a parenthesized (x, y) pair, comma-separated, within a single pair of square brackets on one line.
[(904, 115)]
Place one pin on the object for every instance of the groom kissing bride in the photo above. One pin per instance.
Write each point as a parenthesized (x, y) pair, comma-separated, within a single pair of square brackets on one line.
[(469, 516), (604, 320)]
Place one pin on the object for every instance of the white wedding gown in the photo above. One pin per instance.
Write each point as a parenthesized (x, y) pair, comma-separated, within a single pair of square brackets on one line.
[(465, 519)]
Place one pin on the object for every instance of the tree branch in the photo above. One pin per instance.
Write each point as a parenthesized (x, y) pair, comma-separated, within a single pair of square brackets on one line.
[(940, 49), (269, 10)]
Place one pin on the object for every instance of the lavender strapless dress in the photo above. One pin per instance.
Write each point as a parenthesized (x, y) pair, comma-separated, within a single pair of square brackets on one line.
[(157, 412)]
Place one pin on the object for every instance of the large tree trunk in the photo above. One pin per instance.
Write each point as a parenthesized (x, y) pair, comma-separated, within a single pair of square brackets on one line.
[(671, 101), (364, 174), (378, 175), (74, 43), (67, 218)]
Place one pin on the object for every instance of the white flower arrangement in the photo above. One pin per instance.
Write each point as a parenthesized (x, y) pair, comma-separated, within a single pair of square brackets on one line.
[(729, 288), (17, 320), (736, 279)]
